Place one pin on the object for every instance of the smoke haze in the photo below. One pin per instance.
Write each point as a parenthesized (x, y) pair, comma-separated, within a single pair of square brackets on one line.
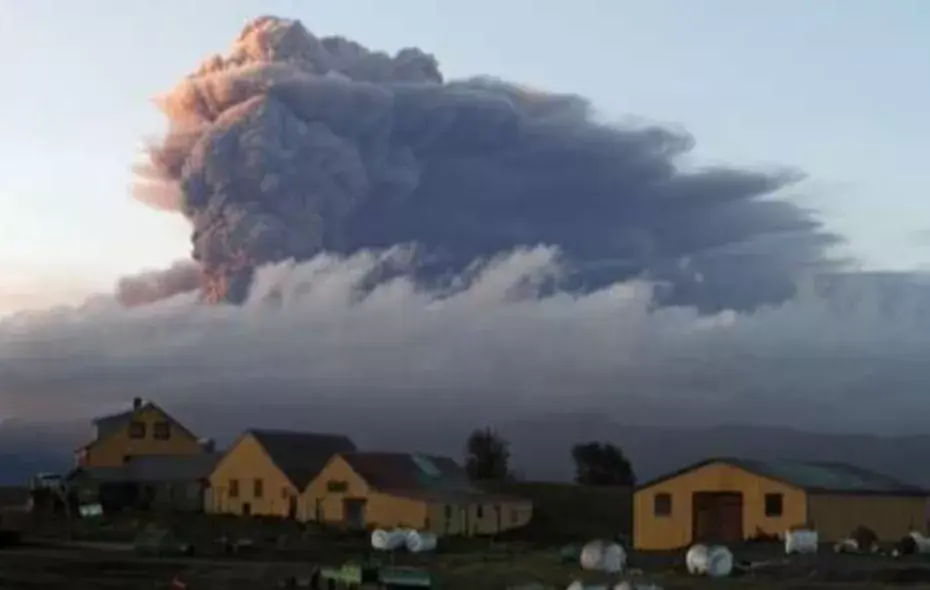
[(340, 334)]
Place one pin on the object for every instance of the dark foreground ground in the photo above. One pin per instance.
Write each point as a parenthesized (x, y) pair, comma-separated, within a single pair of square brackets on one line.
[(99, 554), (116, 566)]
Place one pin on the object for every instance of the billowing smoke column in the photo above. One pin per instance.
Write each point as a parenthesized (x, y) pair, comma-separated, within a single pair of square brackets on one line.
[(292, 145), (155, 285)]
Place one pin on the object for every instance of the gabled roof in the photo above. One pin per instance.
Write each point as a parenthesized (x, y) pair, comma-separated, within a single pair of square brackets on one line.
[(811, 476), (416, 476), (301, 455), (110, 424)]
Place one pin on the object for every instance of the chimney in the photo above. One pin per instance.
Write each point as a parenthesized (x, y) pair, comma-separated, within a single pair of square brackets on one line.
[(136, 403)]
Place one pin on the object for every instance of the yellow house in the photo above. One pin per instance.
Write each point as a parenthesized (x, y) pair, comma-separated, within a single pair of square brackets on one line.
[(144, 430), (264, 472), (728, 500), (363, 490)]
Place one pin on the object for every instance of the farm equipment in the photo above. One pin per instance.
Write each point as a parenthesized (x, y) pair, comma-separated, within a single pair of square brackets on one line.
[(371, 575), (397, 578), (349, 576)]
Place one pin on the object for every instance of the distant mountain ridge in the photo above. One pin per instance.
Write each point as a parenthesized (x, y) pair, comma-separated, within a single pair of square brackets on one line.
[(28, 448), (540, 445)]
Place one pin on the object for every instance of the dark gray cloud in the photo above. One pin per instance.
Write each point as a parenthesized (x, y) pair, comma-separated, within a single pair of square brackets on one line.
[(292, 145)]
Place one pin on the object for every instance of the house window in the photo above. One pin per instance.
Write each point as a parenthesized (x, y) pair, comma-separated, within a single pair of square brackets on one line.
[(448, 512), (285, 493), (258, 488), (514, 516), (480, 511), (136, 429), (234, 488), (773, 505), (336, 486), (662, 504), (162, 431)]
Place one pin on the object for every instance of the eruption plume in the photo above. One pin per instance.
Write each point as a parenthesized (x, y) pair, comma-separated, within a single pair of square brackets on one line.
[(155, 285), (292, 145)]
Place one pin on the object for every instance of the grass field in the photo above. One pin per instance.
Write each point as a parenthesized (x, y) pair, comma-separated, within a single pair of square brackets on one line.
[(84, 569), (282, 549)]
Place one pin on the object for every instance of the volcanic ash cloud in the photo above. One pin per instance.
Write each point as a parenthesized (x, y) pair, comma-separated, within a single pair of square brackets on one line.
[(292, 145)]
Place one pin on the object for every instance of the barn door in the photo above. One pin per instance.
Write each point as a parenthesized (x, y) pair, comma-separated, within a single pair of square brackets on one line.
[(717, 517)]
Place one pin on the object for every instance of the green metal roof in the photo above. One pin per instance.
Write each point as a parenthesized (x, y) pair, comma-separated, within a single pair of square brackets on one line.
[(826, 476), (813, 476)]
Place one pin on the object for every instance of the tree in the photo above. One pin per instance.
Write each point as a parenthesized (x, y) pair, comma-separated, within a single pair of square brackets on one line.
[(602, 464), (487, 456)]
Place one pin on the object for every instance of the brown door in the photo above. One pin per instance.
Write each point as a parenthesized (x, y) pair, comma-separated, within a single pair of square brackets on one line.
[(353, 510), (292, 507), (717, 517)]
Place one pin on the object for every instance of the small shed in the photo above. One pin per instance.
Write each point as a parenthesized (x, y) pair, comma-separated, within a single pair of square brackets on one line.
[(425, 492), (729, 500)]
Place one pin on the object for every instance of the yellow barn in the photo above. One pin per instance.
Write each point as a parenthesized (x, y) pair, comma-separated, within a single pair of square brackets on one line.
[(145, 430), (265, 471), (374, 489), (728, 500)]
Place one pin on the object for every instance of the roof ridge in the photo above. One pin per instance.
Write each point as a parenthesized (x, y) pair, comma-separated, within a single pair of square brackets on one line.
[(779, 469), (288, 432)]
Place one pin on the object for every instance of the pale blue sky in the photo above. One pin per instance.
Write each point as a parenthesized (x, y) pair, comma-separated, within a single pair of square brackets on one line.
[(840, 88)]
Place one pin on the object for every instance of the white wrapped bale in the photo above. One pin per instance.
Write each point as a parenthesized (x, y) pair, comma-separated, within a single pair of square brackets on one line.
[(719, 562), (592, 555), (601, 556), (922, 543), (696, 560), (420, 542), (801, 541), (848, 545), (613, 560), (715, 561), (388, 540)]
